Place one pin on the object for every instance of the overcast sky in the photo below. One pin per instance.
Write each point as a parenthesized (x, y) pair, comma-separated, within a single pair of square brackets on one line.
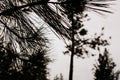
[(83, 67)]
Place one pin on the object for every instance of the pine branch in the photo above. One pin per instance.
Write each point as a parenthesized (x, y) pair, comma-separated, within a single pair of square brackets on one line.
[(16, 8)]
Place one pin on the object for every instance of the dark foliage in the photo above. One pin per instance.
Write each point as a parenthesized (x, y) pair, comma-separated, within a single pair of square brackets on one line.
[(83, 44), (104, 69), (18, 67)]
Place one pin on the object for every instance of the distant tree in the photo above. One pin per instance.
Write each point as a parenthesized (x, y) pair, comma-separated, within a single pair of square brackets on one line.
[(79, 44), (104, 69), (60, 77)]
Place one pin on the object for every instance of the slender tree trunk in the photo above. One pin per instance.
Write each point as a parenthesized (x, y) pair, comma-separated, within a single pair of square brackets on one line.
[(71, 67), (72, 50)]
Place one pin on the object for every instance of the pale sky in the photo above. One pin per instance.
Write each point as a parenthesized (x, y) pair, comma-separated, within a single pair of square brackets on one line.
[(83, 67)]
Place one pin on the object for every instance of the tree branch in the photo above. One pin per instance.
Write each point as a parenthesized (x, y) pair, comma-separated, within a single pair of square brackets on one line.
[(16, 8)]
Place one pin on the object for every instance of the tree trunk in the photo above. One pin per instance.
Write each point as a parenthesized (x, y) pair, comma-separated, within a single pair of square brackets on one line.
[(71, 67), (72, 49)]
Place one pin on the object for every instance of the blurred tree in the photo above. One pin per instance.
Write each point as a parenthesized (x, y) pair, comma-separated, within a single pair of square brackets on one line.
[(79, 44), (25, 60), (19, 67), (60, 77), (104, 69), (36, 67)]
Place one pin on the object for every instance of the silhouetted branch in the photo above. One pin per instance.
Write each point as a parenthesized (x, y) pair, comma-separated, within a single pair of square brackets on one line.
[(16, 8)]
